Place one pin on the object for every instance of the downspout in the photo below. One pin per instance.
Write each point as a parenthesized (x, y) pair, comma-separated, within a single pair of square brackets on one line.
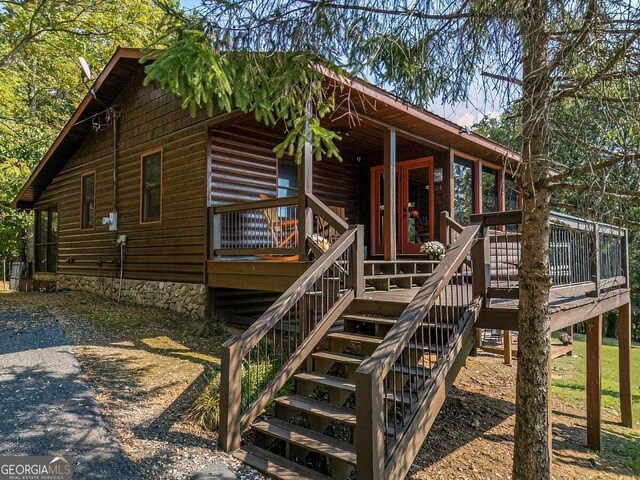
[(119, 245)]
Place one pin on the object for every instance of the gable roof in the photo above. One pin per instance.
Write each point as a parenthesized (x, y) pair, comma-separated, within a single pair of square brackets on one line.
[(107, 86), (126, 61)]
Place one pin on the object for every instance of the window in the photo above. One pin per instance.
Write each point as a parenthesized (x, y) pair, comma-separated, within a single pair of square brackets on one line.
[(511, 193), (151, 189), (287, 187), (463, 201), (287, 180), (46, 239), (88, 195), (489, 190)]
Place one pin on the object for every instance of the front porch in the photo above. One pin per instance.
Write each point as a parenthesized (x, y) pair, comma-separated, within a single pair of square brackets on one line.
[(269, 218)]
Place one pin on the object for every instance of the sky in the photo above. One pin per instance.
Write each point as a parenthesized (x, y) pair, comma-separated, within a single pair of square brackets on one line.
[(464, 113)]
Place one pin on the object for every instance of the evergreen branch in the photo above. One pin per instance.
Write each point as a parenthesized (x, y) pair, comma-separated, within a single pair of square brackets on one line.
[(592, 167)]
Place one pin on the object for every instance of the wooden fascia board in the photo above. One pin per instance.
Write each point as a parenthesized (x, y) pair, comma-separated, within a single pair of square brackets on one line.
[(422, 115)]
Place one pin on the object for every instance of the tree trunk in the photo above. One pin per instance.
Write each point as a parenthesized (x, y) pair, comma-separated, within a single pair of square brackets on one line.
[(532, 455)]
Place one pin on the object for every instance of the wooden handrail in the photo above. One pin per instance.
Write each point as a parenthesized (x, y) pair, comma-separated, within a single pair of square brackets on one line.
[(256, 205), (394, 342), (250, 337), (377, 458), (514, 217), (233, 419), (326, 214), (455, 226), (492, 219)]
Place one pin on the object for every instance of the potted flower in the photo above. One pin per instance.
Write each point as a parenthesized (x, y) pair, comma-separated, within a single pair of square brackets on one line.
[(433, 250)]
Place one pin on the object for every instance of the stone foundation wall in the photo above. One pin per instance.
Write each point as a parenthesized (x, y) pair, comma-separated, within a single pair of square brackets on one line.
[(182, 298)]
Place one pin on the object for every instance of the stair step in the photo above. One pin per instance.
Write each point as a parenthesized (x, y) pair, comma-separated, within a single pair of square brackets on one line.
[(361, 338), (309, 439), (345, 358), (327, 381), (348, 385), (369, 319), (396, 276), (276, 466), (356, 337), (380, 320), (316, 407), (401, 262), (355, 360)]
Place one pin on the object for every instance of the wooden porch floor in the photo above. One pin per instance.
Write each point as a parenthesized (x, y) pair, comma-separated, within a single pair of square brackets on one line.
[(567, 306)]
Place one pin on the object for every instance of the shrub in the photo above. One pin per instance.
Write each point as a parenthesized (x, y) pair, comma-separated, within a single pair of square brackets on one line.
[(205, 411)]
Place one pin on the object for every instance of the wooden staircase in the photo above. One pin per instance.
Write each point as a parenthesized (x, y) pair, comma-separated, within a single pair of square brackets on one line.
[(311, 433), (358, 393), (332, 382)]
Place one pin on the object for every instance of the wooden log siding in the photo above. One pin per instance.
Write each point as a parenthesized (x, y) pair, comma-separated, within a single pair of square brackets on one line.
[(171, 250), (243, 166)]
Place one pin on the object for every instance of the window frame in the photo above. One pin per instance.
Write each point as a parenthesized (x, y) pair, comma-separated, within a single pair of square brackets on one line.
[(280, 166), (82, 177), (148, 153), (48, 243), (478, 165), (497, 173)]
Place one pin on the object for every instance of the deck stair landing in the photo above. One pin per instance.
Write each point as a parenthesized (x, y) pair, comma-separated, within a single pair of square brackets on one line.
[(387, 274)]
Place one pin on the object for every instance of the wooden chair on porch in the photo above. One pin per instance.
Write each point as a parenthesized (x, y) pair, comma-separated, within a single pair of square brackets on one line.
[(283, 232)]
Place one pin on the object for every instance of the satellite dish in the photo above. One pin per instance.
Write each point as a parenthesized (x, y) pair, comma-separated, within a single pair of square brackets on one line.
[(85, 68)]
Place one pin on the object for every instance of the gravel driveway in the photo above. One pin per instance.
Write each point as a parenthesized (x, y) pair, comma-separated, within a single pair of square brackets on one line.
[(45, 408)]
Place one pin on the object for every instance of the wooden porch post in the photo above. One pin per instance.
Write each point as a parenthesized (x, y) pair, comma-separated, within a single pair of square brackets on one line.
[(624, 358), (594, 372), (305, 186), (230, 397), (390, 207), (507, 347)]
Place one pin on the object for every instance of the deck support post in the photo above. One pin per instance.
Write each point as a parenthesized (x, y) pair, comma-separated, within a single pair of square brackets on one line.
[(230, 397), (305, 186), (444, 228), (369, 434), (507, 347), (480, 260), (390, 206), (357, 263), (594, 372), (624, 365)]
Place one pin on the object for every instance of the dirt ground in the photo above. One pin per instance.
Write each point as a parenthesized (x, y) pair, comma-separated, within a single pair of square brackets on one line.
[(146, 366)]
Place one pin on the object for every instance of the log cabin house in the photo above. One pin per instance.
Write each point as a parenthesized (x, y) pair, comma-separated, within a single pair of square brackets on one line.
[(348, 327)]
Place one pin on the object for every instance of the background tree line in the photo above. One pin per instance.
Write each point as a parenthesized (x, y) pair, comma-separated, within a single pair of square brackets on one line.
[(41, 85)]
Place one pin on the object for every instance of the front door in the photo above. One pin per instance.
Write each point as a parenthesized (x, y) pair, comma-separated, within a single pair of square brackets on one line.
[(414, 201)]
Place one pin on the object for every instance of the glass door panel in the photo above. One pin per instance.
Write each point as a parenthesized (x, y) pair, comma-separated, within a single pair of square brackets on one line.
[(416, 221), (414, 200)]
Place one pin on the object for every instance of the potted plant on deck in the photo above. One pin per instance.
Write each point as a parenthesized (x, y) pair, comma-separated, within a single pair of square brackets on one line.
[(434, 250)]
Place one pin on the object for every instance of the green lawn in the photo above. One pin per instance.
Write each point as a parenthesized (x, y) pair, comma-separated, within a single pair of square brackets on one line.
[(569, 376)]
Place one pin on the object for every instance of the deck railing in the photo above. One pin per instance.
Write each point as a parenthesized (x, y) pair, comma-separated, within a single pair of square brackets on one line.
[(260, 361), (580, 252), (274, 227), (449, 229), (406, 374)]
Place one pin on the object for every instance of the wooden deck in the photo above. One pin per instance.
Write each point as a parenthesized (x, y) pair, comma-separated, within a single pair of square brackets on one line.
[(567, 306)]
